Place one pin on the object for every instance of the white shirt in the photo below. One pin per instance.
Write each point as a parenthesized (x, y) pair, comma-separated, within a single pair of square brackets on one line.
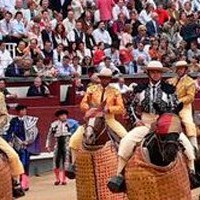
[(71, 36), (69, 26), (122, 88), (144, 17), (7, 4), (5, 58), (87, 52), (102, 36), (6, 28), (112, 67), (56, 62), (117, 10)]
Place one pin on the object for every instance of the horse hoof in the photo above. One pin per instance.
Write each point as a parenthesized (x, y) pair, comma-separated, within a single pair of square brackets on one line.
[(70, 172), (117, 184)]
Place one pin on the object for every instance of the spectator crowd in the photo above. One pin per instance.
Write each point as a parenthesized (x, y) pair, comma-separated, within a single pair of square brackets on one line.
[(61, 38)]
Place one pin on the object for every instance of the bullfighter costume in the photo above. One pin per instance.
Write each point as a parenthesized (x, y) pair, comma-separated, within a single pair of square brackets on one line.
[(185, 90), (156, 91), (23, 134), (14, 161), (93, 98), (61, 130)]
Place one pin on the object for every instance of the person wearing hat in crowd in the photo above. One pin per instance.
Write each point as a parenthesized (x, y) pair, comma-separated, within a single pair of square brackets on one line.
[(185, 90), (23, 135), (99, 98), (142, 115), (61, 129)]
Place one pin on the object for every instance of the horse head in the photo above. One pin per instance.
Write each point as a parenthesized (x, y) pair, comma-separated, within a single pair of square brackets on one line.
[(95, 132), (167, 129)]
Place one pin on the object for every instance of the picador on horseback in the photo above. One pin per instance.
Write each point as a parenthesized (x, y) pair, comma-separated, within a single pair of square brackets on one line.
[(156, 93)]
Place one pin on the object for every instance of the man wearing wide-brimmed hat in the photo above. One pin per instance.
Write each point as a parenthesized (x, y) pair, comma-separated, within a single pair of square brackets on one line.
[(185, 90), (100, 98), (147, 95)]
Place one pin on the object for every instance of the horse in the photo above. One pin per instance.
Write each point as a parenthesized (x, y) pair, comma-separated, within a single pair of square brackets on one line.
[(157, 169), (5, 178), (96, 162)]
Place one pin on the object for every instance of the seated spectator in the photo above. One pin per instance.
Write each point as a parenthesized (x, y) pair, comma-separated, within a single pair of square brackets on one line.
[(126, 57), (153, 50), (19, 27), (142, 36), (31, 12), (153, 28), (5, 91), (86, 20), (35, 33), (60, 36), (47, 52), (145, 14), (72, 50), (79, 87), (99, 54), (86, 64), (58, 54), (38, 89), (107, 63), (77, 67), (121, 86), (134, 22), (82, 51), (27, 64), (120, 7), (100, 34), (15, 69), (39, 68), (77, 35), (194, 65), (163, 15), (65, 69), (6, 27), (69, 22), (194, 51), (33, 51), (126, 36), (113, 53), (21, 48), (50, 71), (89, 39), (140, 52), (5, 58)]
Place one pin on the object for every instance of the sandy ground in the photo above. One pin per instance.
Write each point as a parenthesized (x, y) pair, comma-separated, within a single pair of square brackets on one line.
[(42, 188)]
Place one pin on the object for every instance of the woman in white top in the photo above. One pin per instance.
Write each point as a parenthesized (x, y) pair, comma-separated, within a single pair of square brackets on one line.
[(126, 36), (145, 14)]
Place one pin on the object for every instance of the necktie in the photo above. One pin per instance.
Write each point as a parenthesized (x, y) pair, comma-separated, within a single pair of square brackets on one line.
[(7, 26), (32, 15), (16, 71), (154, 92), (102, 95), (59, 58)]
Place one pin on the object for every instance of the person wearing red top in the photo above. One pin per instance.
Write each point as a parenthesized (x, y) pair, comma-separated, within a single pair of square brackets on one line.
[(99, 54), (163, 15), (126, 57)]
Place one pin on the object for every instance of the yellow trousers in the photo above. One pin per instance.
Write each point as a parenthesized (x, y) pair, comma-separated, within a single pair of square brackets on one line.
[(187, 119), (77, 137), (13, 158)]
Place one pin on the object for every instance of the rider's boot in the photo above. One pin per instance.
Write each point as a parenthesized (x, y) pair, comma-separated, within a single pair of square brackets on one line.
[(117, 183), (71, 170), (17, 190), (194, 182)]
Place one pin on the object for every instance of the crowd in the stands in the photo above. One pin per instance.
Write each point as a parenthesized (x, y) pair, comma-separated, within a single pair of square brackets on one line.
[(61, 38)]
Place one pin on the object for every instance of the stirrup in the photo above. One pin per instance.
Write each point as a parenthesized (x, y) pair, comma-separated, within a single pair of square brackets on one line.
[(117, 184), (71, 171)]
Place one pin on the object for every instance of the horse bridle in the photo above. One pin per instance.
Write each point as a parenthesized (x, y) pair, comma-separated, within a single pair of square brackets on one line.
[(95, 130), (162, 144)]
